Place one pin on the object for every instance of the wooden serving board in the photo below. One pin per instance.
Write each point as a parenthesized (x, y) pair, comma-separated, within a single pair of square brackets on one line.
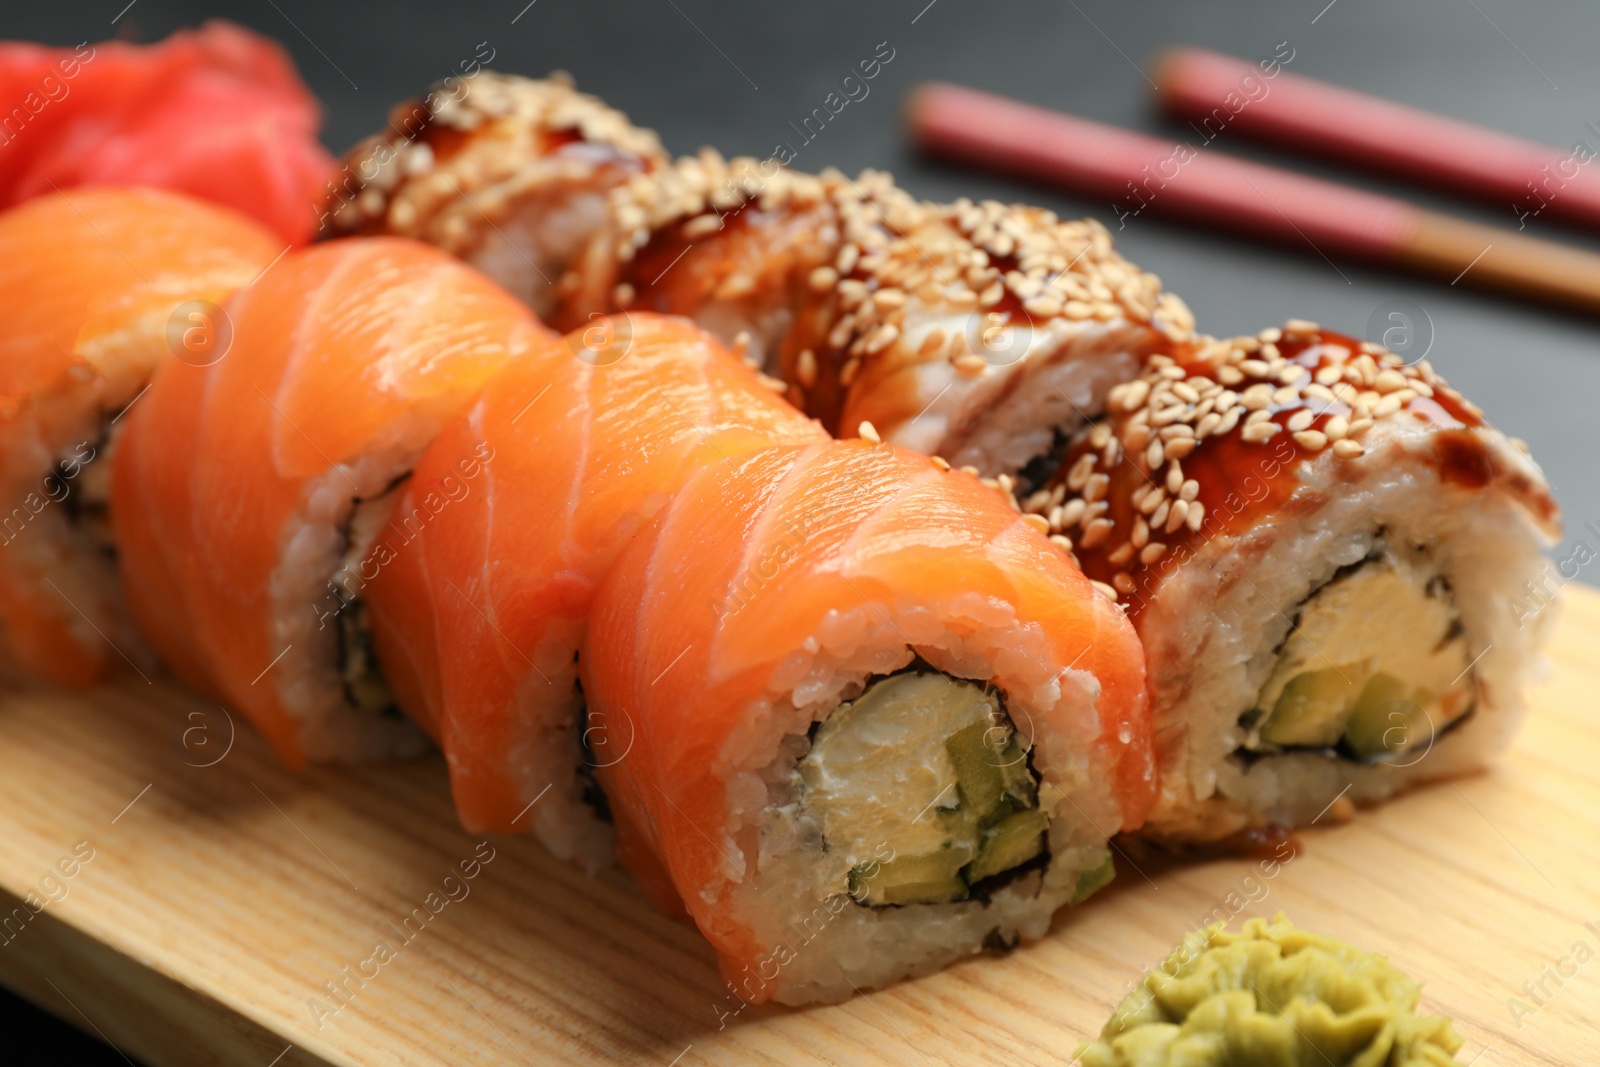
[(218, 900)]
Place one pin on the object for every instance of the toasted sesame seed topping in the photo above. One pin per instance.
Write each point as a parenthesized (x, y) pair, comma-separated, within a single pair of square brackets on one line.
[(1319, 391)]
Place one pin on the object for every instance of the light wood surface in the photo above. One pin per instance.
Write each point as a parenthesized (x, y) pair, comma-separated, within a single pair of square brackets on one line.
[(220, 898)]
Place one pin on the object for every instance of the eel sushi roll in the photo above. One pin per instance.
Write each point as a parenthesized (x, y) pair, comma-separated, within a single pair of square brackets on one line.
[(975, 331), (500, 538), (250, 491), (511, 174), (972, 331), (865, 719), (97, 288), (1320, 547)]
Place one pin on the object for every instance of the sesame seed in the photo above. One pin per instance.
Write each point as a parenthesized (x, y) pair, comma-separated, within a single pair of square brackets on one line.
[(1141, 533), (1196, 516), (1079, 474), (1153, 455), (1259, 432), (1109, 592), (1388, 381), (1152, 552), (1301, 420), (1132, 394), (1152, 500), (622, 295), (1038, 522), (1188, 491), (847, 373), (1179, 512), (823, 278), (1071, 512), (1347, 449), (1095, 534), (1301, 328), (1121, 556), (1095, 488), (1311, 440), (942, 463), (881, 338), (1063, 543), (805, 368), (1160, 517), (969, 364), (1387, 406), (1123, 582), (1336, 428), (869, 432)]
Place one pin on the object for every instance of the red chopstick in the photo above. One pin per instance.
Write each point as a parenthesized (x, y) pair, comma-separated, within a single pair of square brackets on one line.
[(1215, 92), (1140, 174)]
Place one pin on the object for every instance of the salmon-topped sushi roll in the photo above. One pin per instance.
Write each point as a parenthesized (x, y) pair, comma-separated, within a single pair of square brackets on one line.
[(863, 715), (511, 520), (1328, 554), (251, 491), (98, 287)]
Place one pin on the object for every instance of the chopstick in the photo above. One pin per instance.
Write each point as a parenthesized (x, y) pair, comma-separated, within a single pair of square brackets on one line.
[(1139, 173), (1341, 124)]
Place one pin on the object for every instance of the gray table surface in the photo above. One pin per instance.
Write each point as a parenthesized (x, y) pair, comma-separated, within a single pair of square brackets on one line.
[(735, 75)]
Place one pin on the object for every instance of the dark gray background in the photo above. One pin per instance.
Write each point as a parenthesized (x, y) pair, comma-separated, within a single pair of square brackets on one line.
[(736, 74)]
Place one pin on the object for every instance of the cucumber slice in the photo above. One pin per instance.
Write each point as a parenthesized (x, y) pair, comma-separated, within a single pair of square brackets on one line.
[(1093, 880), (1009, 843), (1313, 707)]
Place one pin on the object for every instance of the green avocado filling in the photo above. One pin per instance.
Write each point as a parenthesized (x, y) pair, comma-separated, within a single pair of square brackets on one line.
[(1272, 996), (923, 786), (1376, 666)]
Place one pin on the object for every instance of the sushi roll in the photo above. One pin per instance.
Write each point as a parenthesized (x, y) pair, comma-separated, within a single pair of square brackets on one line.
[(511, 174), (866, 720), (98, 287), (510, 521), (979, 332), (969, 331), (1320, 546), (249, 492)]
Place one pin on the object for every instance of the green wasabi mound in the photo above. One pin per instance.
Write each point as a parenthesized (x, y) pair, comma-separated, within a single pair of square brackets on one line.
[(1272, 996)]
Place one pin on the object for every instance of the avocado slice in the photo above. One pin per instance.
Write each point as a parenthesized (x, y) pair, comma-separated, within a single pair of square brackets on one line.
[(1093, 880), (991, 770), (932, 878), (1386, 718), (1011, 842), (1313, 707)]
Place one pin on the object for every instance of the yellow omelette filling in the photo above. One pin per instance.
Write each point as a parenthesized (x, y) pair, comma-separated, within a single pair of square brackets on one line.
[(922, 789), (1376, 666)]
